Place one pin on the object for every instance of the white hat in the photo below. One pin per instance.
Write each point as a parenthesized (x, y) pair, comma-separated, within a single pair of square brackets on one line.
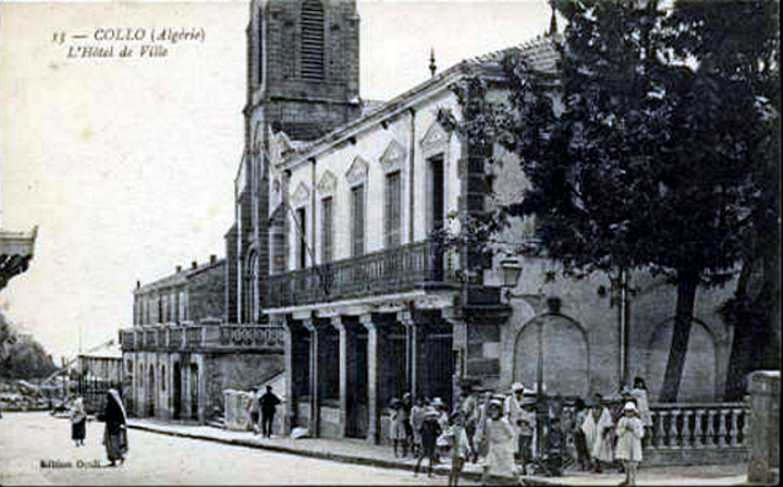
[(629, 406), (517, 386), (437, 402)]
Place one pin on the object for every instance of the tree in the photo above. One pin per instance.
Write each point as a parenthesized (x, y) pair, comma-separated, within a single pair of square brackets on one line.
[(640, 152)]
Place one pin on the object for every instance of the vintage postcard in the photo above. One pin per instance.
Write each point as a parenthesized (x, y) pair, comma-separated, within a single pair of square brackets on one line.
[(395, 242)]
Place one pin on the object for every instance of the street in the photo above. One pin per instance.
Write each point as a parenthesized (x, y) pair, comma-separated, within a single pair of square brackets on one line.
[(28, 439)]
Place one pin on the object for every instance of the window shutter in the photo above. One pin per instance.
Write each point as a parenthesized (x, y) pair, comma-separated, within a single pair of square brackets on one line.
[(312, 48)]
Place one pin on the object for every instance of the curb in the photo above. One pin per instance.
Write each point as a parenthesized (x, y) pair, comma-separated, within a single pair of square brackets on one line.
[(335, 457)]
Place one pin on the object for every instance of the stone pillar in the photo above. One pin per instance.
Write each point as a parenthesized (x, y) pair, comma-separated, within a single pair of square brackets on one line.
[(347, 354), (315, 410), (375, 347), (288, 361), (764, 427), (413, 362)]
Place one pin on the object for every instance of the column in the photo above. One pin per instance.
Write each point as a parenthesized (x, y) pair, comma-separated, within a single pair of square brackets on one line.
[(412, 347), (314, 382), (347, 352), (375, 347), (288, 357)]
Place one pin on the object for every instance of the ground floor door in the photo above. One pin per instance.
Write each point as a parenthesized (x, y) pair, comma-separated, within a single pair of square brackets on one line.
[(194, 391), (439, 369), (177, 392), (358, 414), (151, 392)]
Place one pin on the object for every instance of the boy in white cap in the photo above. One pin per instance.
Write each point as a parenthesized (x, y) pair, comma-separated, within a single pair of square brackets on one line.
[(630, 431)]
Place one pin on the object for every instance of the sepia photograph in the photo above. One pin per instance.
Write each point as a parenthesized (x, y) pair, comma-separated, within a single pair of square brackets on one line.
[(390, 242)]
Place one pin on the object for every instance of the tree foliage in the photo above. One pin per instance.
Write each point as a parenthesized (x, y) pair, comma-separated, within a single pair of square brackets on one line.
[(645, 151)]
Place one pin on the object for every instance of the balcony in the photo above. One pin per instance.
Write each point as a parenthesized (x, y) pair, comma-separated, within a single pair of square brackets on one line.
[(388, 271), (204, 338)]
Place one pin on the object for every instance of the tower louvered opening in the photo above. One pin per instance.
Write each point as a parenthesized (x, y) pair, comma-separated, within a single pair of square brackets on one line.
[(312, 49)]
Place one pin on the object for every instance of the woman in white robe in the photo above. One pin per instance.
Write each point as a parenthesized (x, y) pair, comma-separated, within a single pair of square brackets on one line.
[(499, 434), (597, 428)]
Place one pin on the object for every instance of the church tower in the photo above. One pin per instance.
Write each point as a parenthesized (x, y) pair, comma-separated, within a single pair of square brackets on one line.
[(302, 79)]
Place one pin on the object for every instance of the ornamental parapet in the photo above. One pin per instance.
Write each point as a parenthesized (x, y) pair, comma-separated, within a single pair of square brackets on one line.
[(204, 337)]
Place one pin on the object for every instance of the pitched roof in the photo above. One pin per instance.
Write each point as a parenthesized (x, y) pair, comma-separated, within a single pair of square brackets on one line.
[(540, 52)]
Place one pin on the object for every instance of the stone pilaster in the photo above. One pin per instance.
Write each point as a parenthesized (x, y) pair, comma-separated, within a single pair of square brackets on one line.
[(288, 361), (764, 427), (347, 352), (375, 347), (315, 385)]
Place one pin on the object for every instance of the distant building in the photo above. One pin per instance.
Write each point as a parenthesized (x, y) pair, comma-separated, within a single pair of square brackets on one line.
[(181, 355)]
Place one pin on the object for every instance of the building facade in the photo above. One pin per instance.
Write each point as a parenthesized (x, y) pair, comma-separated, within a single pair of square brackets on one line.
[(181, 355), (332, 274)]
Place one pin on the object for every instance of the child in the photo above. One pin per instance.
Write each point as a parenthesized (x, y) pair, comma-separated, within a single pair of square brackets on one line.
[(417, 418), (460, 447), (555, 446), (430, 430), (630, 431), (397, 428)]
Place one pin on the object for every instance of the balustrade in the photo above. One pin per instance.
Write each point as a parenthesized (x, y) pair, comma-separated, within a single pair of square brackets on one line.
[(386, 271), (699, 426)]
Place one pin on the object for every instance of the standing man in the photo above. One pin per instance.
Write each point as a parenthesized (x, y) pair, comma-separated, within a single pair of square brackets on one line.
[(268, 402), (515, 410)]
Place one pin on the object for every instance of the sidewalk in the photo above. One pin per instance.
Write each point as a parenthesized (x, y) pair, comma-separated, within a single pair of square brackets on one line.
[(360, 452)]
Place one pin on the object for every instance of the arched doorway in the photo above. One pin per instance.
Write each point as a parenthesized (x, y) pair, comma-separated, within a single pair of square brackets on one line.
[(699, 375), (151, 391), (177, 392), (563, 345)]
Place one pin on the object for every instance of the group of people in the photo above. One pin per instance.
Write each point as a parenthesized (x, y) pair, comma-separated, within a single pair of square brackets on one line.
[(115, 437), (604, 436), (499, 431)]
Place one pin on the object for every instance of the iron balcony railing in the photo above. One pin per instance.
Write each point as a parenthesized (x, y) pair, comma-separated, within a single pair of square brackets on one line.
[(387, 271)]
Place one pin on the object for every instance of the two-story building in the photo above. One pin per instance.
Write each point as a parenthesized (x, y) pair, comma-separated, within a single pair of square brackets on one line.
[(336, 201), (331, 261), (181, 354)]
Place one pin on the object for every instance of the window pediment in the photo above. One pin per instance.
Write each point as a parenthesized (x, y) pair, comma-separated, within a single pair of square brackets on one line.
[(357, 173), (327, 184), (393, 157), (301, 194), (435, 136)]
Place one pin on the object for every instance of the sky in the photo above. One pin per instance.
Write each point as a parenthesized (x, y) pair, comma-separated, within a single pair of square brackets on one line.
[(127, 164)]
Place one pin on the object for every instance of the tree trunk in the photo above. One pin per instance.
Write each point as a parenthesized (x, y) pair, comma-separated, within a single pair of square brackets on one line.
[(686, 297)]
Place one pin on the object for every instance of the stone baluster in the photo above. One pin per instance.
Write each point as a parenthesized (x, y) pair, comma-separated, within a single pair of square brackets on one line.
[(660, 436), (674, 441), (698, 433), (722, 428), (734, 432), (711, 427), (746, 428), (686, 428)]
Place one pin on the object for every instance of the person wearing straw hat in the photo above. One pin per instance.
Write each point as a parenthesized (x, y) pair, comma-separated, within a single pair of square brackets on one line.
[(499, 436), (630, 431)]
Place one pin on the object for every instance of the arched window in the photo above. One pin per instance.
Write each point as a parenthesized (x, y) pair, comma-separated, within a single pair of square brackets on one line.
[(312, 47)]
